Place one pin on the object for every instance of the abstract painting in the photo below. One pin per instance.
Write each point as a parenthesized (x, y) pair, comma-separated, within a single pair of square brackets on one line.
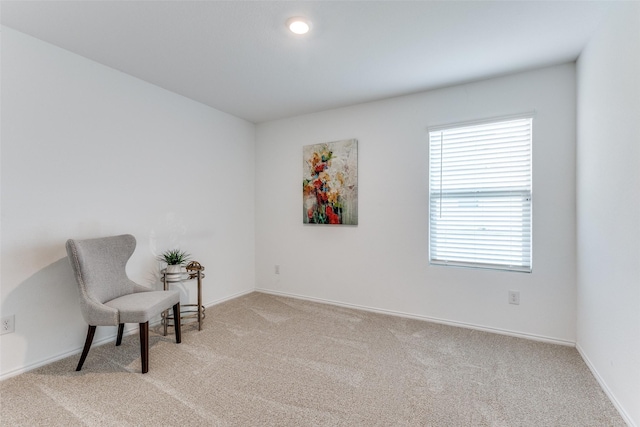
[(330, 183)]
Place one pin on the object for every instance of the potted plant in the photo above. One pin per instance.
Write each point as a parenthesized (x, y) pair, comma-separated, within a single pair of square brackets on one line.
[(175, 259)]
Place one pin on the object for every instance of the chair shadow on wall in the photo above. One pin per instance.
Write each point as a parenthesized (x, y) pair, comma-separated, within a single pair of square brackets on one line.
[(48, 318)]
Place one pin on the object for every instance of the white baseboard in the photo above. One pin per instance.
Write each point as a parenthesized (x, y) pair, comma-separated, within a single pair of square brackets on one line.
[(229, 298), (425, 318), (605, 388), (102, 341)]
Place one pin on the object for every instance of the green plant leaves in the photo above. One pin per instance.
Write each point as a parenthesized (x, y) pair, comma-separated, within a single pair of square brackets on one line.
[(174, 257)]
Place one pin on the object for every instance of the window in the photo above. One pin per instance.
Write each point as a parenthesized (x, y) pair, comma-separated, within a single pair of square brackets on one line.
[(480, 195)]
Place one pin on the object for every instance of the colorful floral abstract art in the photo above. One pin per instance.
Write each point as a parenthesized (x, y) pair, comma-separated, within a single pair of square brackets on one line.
[(330, 183)]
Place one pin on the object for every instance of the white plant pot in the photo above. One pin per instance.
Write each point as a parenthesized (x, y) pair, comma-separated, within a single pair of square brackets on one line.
[(174, 273)]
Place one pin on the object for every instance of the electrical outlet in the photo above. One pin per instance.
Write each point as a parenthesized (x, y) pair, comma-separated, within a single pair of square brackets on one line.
[(514, 297), (8, 324), (277, 269)]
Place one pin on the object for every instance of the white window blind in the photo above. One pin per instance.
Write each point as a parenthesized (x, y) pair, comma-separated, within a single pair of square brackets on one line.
[(480, 195)]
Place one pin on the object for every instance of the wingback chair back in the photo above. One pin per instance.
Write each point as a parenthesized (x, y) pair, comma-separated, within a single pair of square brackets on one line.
[(109, 298), (100, 269)]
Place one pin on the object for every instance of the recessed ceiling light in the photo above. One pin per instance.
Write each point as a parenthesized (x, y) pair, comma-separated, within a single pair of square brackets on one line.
[(298, 25)]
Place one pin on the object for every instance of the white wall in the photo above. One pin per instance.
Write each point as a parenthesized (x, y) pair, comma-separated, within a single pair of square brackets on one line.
[(88, 151), (383, 262), (608, 208)]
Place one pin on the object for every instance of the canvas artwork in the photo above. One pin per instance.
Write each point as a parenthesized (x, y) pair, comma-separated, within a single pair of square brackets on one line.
[(330, 183)]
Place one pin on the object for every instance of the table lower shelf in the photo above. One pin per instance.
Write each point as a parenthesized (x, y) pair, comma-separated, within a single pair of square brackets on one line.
[(188, 314)]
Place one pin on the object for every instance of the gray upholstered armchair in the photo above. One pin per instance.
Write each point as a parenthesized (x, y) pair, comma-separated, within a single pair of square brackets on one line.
[(109, 298)]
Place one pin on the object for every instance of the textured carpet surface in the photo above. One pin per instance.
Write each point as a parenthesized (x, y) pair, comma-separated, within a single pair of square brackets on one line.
[(263, 360)]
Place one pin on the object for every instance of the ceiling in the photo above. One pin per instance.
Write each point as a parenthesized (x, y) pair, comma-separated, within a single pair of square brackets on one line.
[(238, 57)]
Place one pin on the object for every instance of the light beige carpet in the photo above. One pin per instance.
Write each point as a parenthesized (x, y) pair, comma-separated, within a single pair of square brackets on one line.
[(263, 360)]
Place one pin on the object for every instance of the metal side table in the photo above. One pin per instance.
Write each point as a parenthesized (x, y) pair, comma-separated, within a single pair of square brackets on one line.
[(189, 313)]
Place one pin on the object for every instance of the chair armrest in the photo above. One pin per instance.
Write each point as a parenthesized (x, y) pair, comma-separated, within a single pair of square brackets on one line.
[(98, 314)]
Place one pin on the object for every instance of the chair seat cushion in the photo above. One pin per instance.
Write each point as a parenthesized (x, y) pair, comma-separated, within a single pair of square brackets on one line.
[(142, 306)]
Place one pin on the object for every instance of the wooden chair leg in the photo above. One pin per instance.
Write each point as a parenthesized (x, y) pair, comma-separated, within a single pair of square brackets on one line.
[(120, 331), (144, 346), (177, 322), (87, 345)]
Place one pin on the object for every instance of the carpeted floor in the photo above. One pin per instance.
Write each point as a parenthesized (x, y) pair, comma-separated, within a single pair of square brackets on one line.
[(263, 360)]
